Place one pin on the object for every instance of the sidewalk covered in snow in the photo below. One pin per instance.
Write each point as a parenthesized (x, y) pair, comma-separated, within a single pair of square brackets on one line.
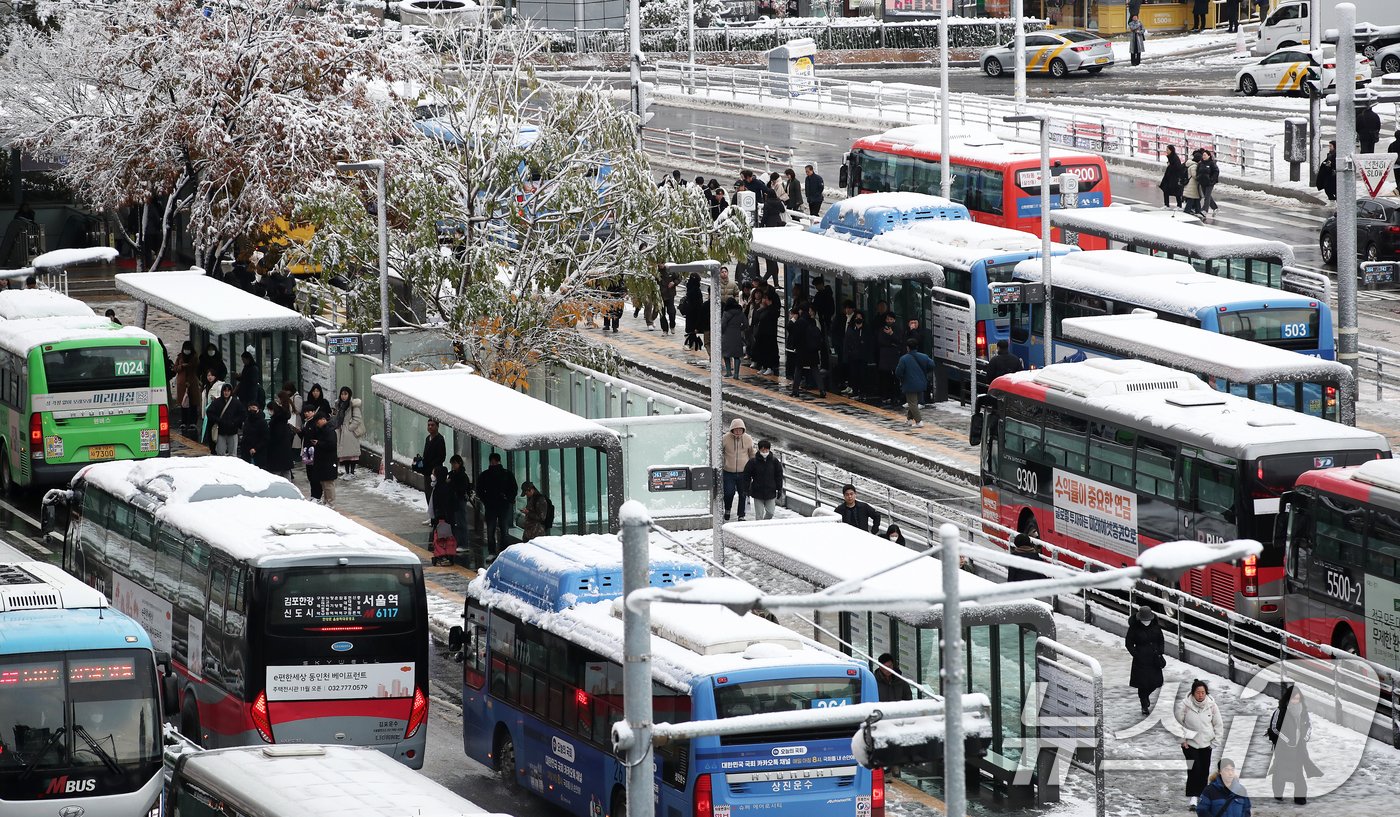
[(574, 461), (230, 319)]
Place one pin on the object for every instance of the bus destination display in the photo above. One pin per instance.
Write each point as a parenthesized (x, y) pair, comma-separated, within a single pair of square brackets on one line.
[(106, 669), (332, 608)]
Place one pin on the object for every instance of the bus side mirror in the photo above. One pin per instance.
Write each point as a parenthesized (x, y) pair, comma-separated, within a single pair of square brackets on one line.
[(455, 638), (974, 429), (1281, 520)]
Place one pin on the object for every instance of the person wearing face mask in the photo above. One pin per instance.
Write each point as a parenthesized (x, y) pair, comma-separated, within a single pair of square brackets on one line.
[(1200, 718), (1224, 796), (893, 534), (765, 477)]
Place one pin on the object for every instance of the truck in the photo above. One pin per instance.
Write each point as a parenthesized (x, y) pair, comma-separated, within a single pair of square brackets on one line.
[(1287, 25)]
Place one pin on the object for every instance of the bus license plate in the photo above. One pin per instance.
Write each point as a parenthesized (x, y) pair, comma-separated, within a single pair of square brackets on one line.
[(102, 452)]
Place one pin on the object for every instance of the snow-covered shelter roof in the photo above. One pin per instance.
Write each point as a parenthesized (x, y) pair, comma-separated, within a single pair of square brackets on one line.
[(689, 641), (834, 256), (1180, 406), (41, 303), (959, 244), (491, 412), (825, 551), (1161, 284), (1144, 336), (212, 304), (1166, 230), (21, 335)]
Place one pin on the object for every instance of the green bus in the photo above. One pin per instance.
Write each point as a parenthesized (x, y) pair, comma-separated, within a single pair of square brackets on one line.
[(77, 390)]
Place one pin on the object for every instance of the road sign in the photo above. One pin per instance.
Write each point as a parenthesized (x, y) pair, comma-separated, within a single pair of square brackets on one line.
[(1375, 170)]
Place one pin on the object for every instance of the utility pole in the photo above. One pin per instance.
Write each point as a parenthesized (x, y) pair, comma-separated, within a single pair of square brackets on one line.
[(1346, 186), (1018, 8), (945, 171), (634, 533), (954, 761), (634, 40), (377, 165), (710, 269), (1314, 100)]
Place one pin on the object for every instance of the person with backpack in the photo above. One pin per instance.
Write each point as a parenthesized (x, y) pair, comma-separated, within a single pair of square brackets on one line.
[(538, 513), (913, 371), (496, 487), (1290, 729), (1224, 796)]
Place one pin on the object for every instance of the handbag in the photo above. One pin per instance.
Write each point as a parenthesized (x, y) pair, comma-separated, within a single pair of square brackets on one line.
[(418, 463), (308, 455)]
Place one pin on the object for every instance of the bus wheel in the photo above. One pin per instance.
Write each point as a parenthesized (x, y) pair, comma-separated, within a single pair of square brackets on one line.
[(617, 805), (505, 760), (7, 479), (189, 720), (1345, 640)]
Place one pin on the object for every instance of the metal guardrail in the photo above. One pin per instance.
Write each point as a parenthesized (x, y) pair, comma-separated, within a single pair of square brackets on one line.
[(1201, 633), (722, 154), (840, 36), (1381, 367), (899, 103)]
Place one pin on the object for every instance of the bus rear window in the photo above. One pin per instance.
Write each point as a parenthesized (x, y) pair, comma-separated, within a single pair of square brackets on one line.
[(330, 600), (786, 695), (96, 368), (1268, 477), (1282, 326)]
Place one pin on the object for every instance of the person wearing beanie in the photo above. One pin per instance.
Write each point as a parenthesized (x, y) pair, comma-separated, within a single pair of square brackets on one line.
[(1147, 646)]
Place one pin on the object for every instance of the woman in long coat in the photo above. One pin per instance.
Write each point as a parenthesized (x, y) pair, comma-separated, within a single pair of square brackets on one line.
[(187, 387), (1290, 729), (349, 429), (732, 325), (1147, 646)]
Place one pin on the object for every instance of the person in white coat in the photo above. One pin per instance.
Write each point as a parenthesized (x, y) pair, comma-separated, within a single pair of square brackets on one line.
[(1200, 719)]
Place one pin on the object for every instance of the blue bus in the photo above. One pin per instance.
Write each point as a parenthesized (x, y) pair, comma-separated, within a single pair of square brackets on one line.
[(80, 714), (542, 687), (1118, 282)]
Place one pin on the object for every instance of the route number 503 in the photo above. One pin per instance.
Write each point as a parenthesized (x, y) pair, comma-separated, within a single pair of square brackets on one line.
[(1027, 482), (1295, 330)]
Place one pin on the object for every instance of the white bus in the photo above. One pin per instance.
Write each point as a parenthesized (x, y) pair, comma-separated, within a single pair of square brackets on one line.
[(304, 780)]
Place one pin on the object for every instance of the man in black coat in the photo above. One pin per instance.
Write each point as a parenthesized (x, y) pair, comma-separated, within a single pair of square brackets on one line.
[(1023, 546), (814, 189), (856, 513), (497, 489), (764, 473), (824, 302), (227, 416), (326, 462), (434, 454), (1003, 362), (1368, 128), (890, 686), (252, 443), (1147, 646), (807, 340)]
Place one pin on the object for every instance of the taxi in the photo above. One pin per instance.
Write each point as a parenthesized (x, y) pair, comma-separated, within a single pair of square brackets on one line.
[(1056, 53), (1289, 71)]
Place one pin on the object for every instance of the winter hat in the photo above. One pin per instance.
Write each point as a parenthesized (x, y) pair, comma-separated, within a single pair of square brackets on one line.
[(737, 423), (1022, 542), (1145, 614)]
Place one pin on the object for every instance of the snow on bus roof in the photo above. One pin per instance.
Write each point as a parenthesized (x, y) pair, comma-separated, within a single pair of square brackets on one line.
[(1192, 349), (275, 531), (1382, 474), (41, 303), (178, 480), (958, 244), (21, 335), (1148, 396), (210, 303), (689, 641), (898, 201), (978, 147), (1164, 230), (498, 414), (836, 256), (825, 551), (1149, 281)]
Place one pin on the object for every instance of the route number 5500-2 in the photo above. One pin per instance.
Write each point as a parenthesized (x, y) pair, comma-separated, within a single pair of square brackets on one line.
[(1027, 482)]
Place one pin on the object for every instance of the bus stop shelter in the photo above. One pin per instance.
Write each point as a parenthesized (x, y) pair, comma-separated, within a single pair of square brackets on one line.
[(574, 461), (230, 318)]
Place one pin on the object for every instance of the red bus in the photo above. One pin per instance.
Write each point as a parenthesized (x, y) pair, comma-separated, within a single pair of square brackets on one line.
[(1342, 571), (998, 180), (1109, 457)]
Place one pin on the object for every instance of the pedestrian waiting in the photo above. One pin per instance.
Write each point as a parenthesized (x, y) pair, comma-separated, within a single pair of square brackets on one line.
[(887, 681), (857, 513)]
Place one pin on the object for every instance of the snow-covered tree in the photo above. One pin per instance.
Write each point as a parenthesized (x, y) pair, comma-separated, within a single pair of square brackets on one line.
[(510, 226), (213, 112), (671, 14)]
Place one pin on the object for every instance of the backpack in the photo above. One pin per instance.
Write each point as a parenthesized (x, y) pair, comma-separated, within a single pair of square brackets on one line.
[(548, 513)]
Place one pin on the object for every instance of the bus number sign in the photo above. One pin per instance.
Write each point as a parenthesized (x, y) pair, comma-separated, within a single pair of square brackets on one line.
[(1342, 587), (1296, 330), (130, 368)]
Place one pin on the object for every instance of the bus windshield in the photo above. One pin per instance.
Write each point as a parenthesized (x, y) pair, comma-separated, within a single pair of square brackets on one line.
[(1271, 325), (321, 600), (1272, 476), (90, 709), (90, 368)]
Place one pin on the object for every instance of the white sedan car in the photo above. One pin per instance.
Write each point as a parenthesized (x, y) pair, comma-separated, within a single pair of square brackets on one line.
[(1387, 60), (1287, 71)]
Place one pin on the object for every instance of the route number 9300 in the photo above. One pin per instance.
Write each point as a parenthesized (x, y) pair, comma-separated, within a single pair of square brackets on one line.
[(1027, 482)]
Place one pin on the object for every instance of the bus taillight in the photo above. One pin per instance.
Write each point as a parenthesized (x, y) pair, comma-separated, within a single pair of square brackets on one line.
[(877, 793), (419, 713), (981, 338), (36, 436), (704, 797), (258, 712), (164, 429), (1250, 570)]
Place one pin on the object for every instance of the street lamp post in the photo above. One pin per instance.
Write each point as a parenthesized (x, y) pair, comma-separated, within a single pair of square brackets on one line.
[(377, 165), (1044, 225), (1019, 10), (1346, 186)]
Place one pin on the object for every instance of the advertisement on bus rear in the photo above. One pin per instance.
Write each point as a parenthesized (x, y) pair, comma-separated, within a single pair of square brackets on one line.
[(1096, 513), (105, 403), (1382, 621), (340, 682)]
